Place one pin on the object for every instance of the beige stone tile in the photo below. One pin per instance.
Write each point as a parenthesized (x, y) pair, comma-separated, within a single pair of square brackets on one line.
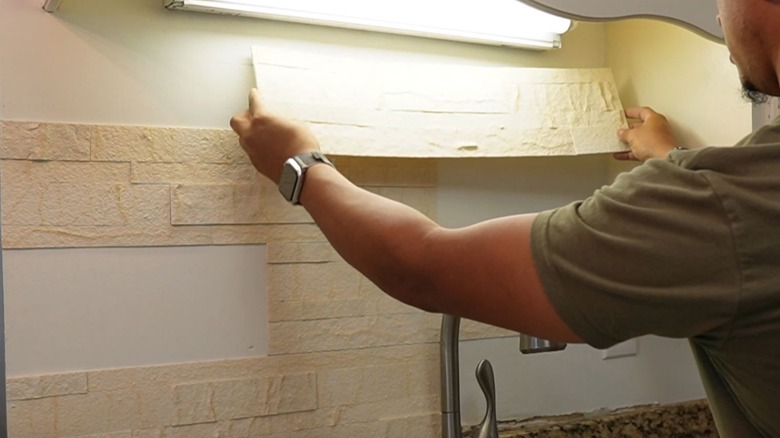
[(351, 386), (148, 433), (18, 237), (585, 140), (369, 141), (122, 143), (376, 411), (82, 204), (262, 233), (25, 388), (367, 429), (234, 399), (165, 145), (312, 282), (578, 120), (412, 426), (385, 114), (291, 423), (210, 430), (291, 393), (232, 204), (118, 434), (137, 378), (194, 404), (318, 81), (301, 252), (45, 141), (193, 172), (319, 309), (108, 411), (441, 88), (23, 172), (152, 235), (543, 142), (352, 333), (33, 418)]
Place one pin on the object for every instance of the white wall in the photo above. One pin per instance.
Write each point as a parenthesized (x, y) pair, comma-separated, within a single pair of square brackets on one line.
[(82, 309), (131, 62)]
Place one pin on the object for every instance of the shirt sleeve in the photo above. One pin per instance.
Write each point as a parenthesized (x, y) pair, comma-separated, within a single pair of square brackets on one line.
[(651, 254)]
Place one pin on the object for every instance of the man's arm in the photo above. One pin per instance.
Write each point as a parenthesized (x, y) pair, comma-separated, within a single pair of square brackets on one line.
[(484, 272)]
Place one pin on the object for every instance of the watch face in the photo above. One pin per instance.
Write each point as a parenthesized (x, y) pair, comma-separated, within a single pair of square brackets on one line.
[(288, 183)]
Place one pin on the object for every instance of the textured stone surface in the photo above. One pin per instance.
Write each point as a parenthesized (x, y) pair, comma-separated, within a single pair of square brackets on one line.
[(352, 333), (396, 109), (312, 282), (204, 173), (352, 386), (83, 204), (26, 388), (45, 141), (121, 434), (412, 426), (232, 204), (103, 412), (246, 398), (301, 252), (165, 145), (33, 418)]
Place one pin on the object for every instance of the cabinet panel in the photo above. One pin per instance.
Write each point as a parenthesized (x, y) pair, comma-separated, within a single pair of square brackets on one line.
[(698, 15)]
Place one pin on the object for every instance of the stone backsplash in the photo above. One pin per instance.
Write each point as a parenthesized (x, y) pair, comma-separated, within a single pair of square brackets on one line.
[(345, 360)]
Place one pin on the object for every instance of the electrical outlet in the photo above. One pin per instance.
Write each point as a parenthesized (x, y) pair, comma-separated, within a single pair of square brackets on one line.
[(623, 349)]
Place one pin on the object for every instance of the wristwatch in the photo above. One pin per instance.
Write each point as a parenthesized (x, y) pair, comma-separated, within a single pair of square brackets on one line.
[(294, 171)]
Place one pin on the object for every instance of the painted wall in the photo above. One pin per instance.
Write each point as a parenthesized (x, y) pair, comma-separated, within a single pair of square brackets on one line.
[(688, 79), (133, 63)]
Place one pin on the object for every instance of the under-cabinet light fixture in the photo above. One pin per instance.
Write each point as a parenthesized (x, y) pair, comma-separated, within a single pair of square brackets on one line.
[(494, 22)]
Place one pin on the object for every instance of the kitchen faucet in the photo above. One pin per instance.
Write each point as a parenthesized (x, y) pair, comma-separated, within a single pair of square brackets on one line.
[(450, 383)]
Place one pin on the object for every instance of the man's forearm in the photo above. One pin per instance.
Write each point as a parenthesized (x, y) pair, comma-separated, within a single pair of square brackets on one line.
[(381, 238)]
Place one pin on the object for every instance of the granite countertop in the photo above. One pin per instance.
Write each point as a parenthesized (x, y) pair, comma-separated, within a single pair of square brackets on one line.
[(690, 419)]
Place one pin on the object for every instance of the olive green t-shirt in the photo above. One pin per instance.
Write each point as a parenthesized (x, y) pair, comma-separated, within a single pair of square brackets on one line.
[(687, 246)]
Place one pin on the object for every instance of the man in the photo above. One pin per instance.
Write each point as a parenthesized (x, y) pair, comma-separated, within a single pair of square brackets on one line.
[(686, 245)]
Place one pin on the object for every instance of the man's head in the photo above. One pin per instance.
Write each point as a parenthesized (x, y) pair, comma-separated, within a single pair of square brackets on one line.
[(752, 30)]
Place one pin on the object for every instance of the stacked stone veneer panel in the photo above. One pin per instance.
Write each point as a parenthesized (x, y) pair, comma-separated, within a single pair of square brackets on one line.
[(345, 359), (365, 106)]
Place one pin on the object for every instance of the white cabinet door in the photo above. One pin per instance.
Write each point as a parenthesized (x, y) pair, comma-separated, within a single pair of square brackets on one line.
[(698, 15)]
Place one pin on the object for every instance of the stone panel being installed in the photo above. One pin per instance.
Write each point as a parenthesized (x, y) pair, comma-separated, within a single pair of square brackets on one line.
[(396, 109)]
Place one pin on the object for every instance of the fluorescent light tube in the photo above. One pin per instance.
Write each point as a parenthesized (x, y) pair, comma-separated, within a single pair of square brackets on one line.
[(495, 22)]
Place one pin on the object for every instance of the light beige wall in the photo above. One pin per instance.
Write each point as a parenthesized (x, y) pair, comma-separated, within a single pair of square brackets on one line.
[(687, 78)]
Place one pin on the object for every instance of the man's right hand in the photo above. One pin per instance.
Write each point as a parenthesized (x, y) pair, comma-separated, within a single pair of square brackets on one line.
[(651, 137), (270, 140)]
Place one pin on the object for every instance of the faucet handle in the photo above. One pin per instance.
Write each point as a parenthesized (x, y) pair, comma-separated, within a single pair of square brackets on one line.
[(488, 428), (531, 345)]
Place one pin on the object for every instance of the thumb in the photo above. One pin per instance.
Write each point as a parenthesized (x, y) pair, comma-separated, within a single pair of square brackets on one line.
[(255, 103), (241, 122)]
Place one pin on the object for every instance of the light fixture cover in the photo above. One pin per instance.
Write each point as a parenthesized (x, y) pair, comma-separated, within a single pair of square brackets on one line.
[(495, 22)]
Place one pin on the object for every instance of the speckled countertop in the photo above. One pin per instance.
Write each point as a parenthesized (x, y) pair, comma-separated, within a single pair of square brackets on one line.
[(682, 420)]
